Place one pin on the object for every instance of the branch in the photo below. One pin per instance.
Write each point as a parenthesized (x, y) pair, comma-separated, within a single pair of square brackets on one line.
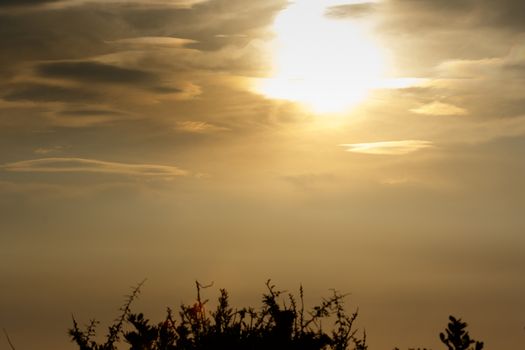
[(8, 340)]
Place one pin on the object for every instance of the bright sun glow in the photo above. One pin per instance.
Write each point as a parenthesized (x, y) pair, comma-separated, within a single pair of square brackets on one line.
[(324, 63)]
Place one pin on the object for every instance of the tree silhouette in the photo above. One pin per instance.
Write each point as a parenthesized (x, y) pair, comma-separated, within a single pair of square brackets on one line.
[(457, 338)]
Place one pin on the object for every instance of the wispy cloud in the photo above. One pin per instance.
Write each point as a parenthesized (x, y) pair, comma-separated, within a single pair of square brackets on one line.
[(199, 127), (59, 4), (48, 150), (39, 93), (95, 72), (86, 117), (439, 108), (388, 147), (351, 9), (162, 41), (81, 165)]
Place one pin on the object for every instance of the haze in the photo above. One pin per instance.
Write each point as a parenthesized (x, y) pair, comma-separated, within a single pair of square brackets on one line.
[(373, 147)]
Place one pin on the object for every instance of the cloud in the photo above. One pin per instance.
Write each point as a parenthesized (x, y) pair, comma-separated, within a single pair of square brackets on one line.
[(457, 29), (159, 41), (147, 60), (470, 69), (97, 72), (504, 13), (23, 3), (351, 10), (486, 87), (48, 93), (510, 66), (185, 91), (48, 150), (439, 108), (388, 147), (80, 165), (86, 117), (162, 3), (159, 30), (86, 72), (199, 127), (60, 4)]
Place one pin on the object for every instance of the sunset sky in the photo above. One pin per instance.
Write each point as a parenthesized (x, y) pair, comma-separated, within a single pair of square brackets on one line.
[(374, 147)]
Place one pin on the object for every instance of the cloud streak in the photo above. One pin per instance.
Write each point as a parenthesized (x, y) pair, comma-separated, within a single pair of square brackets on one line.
[(38, 92), (199, 127), (439, 108), (81, 165), (351, 10), (159, 41), (95, 72), (60, 4), (388, 147), (24, 3)]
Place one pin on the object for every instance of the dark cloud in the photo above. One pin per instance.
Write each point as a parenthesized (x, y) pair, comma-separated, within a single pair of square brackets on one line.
[(21, 3), (212, 24), (505, 14), (95, 72), (89, 53), (421, 34), (55, 35), (86, 72), (94, 28), (444, 5), (49, 93)]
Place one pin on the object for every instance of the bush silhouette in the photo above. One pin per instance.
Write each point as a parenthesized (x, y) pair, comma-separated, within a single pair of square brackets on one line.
[(457, 338), (280, 323)]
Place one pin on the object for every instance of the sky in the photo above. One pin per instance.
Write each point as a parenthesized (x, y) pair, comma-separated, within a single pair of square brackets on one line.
[(377, 148)]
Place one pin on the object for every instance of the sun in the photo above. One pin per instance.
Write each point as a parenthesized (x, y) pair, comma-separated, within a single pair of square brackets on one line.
[(324, 63)]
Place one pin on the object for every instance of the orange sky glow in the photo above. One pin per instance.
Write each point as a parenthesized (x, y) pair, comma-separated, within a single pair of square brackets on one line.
[(374, 147)]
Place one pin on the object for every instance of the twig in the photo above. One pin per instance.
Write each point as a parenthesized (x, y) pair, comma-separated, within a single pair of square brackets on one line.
[(8, 340), (116, 328), (199, 287)]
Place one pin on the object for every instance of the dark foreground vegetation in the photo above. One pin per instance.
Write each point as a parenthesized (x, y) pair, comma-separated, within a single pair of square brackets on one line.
[(280, 323)]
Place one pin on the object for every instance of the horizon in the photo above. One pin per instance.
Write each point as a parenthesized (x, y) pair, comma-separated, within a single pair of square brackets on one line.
[(374, 147)]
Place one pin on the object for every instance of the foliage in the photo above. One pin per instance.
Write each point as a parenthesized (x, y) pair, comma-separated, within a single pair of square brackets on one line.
[(457, 338), (280, 323)]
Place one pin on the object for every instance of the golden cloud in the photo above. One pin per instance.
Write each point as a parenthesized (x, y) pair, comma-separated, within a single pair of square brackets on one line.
[(388, 147), (81, 165), (439, 108)]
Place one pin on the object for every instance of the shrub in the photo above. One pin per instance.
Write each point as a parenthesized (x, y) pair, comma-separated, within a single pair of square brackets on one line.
[(457, 338), (280, 323)]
